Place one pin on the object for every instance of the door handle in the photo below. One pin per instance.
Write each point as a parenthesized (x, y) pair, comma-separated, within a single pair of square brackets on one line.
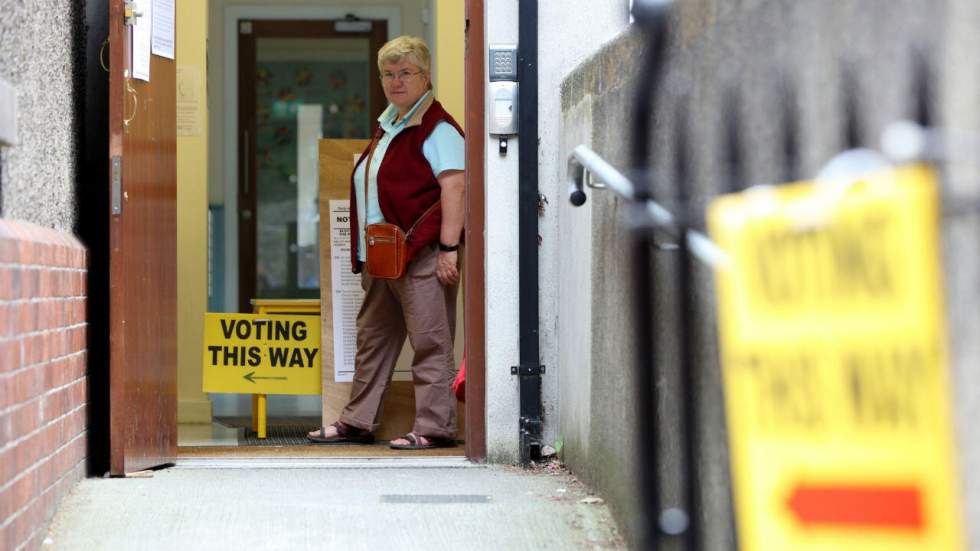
[(132, 94), (247, 214)]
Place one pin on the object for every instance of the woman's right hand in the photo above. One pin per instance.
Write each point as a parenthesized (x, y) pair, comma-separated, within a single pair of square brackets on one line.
[(447, 271)]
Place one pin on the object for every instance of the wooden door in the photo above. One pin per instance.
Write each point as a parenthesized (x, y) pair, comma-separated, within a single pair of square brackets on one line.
[(142, 257), (285, 67)]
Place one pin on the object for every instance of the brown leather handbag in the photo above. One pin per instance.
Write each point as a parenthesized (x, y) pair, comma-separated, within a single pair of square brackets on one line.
[(387, 251)]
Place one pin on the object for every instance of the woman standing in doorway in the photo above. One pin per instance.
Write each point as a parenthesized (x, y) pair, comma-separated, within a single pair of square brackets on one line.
[(414, 161)]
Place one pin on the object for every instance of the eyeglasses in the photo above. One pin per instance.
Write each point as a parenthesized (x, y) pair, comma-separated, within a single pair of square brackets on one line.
[(404, 76)]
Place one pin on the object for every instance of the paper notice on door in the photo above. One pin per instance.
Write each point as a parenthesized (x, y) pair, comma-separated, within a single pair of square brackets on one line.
[(189, 101), (163, 28), (347, 292), (142, 37)]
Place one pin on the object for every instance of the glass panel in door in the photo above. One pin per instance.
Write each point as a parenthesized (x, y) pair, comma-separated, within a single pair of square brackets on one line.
[(305, 89)]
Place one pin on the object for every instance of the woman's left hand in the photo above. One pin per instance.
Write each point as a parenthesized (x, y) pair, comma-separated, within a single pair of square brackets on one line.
[(446, 268)]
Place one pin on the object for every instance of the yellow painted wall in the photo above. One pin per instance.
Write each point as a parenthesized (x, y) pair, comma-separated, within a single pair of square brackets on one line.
[(450, 19), (193, 405), (450, 23)]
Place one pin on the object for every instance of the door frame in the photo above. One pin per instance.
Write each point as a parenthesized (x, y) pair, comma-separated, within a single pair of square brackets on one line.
[(232, 15), (248, 194), (475, 117), (474, 261)]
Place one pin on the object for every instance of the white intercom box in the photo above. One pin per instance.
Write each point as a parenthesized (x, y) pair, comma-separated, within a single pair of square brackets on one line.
[(503, 108)]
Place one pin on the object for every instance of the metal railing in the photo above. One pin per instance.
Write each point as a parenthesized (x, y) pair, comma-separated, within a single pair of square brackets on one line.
[(584, 163)]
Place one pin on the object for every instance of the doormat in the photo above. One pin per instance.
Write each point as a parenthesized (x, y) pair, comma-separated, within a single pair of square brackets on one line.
[(280, 431)]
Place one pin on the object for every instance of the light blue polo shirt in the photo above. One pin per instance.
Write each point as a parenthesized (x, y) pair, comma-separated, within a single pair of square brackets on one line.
[(443, 149)]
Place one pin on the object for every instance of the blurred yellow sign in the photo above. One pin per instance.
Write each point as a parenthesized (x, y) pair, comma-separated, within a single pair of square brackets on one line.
[(261, 353), (834, 362)]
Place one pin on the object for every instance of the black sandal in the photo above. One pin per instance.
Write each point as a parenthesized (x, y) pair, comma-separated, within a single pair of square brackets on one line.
[(346, 434)]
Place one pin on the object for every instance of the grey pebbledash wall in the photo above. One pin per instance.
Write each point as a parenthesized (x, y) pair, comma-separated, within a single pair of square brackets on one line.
[(744, 56), (39, 40)]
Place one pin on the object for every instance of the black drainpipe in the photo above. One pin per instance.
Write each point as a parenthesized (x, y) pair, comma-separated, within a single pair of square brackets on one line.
[(530, 369), (652, 16)]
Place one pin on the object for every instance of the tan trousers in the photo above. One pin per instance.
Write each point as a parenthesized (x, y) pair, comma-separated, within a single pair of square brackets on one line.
[(421, 307)]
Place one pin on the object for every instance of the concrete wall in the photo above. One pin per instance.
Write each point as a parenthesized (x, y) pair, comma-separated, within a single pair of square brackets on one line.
[(37, 175), (737, 56), (596, 330), (959, 87), (502, 325), (565, 39)]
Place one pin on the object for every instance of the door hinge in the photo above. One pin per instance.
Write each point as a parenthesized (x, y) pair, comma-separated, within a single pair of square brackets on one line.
[(116, 185), (245, 27)]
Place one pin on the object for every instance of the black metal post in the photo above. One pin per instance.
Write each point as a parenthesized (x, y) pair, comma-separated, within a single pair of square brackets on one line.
[(686, 312), (733, 145), (791, 154), (652, 16), (852, 111), (922, 86), (530, 369)]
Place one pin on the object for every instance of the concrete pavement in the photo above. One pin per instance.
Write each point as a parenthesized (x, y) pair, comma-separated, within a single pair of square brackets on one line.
[(377, 504)]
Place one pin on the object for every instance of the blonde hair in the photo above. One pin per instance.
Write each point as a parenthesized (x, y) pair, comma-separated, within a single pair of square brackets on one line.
[(408, 48)]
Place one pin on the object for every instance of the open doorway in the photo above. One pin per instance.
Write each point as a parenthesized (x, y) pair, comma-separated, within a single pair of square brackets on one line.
[(269, 91)]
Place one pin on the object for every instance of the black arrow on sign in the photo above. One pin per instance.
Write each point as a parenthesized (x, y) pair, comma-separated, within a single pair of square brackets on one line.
[(250, 377)]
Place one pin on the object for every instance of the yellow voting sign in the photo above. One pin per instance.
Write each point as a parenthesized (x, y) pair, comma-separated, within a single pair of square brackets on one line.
[(834, 360), (261, 353)]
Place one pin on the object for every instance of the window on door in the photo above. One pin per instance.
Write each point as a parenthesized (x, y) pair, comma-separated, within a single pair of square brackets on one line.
[(300, 81)]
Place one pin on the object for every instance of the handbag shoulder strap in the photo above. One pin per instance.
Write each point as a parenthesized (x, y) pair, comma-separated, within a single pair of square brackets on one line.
[(367, 165), (423, 217)]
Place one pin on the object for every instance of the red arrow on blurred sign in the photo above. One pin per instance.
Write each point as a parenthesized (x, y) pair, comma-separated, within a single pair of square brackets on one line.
[(897, 507)]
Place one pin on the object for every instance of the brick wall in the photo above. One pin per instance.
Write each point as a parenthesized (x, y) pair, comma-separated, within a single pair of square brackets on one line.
[(43, 377)]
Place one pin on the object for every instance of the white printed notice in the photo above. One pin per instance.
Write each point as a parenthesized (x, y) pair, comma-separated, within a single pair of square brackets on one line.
[(347, 292), (163, 28), (142, 36)]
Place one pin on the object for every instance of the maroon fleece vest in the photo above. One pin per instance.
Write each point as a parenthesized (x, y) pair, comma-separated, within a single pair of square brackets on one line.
[(406, 185)]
